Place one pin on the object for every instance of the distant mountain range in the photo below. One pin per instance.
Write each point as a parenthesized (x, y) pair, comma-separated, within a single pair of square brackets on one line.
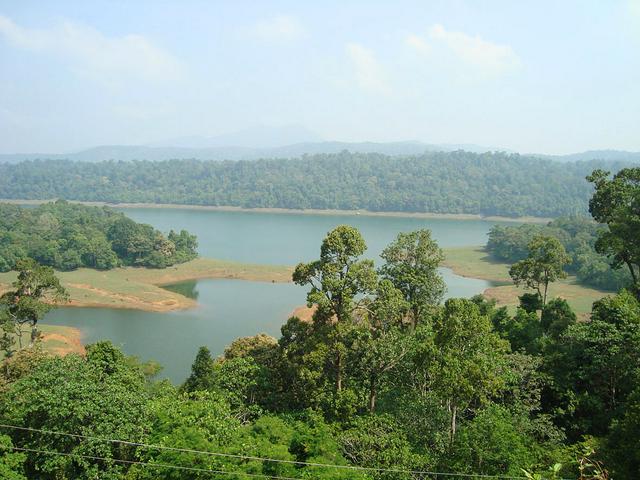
[(143, 152), (277, 142), (257, 137)]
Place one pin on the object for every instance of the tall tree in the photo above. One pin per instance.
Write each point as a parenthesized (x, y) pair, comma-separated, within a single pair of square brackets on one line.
[(202, 372), (34, 293), (339, 276), (616, 203), (384, 342), (339, 282), (469, 358), (412, 262), (544, 264)]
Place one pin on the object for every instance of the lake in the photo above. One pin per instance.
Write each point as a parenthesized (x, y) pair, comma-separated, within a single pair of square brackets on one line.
[(233, 308)]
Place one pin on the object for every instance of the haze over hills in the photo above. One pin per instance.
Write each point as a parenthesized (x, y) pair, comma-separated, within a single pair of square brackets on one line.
[(612, 155), (256, 137), (289, 141)]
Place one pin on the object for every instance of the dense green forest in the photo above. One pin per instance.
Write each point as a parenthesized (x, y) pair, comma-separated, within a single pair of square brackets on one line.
[(577, 234), (384, 378), (454, 182), (383, 382), (68, 236)]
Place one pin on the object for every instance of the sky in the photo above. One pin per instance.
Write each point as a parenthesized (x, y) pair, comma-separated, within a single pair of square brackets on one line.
[(540, 76)]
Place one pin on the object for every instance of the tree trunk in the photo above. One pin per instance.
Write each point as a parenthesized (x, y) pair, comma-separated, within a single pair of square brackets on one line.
[(416, 315), (34, 336), (632, 271), (454, 411), (339, 372), (373, 393), (634, 277)]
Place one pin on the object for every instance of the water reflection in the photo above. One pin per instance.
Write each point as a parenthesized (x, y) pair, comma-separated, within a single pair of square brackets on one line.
[(188, 288)]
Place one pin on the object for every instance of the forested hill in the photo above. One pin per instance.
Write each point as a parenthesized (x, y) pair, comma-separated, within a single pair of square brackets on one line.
[(442, 182)]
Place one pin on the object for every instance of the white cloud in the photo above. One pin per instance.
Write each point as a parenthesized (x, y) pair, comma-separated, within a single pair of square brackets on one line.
[(279, 28), (108, 59), (370, 75), (418, 43), (488, 57)]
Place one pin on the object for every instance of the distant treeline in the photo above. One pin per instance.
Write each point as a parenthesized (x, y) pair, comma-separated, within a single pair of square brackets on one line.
[(454, 182), (577, 234), (67, 236)]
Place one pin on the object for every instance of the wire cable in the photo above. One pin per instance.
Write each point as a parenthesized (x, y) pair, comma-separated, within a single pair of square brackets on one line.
[(256, 458), (153, 465)]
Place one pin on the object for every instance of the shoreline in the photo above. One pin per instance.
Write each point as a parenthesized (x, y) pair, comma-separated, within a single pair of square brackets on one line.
[(293, 211), (475, 262), (135, 288), (61, 340)]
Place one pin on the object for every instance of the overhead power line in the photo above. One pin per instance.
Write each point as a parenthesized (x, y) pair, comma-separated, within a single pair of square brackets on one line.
[(152, 465), (263, 459)]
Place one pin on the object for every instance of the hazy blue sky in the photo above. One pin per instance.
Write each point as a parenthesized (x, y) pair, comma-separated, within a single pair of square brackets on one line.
[(536, 76)]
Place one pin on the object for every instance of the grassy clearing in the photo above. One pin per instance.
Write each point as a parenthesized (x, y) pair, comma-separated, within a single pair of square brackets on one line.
[(55, 339), (474, 262), (140, 288), (61, 340)]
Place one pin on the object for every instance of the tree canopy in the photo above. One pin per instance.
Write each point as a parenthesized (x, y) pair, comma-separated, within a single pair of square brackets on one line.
[(578, 235), (68, 236), (544, 264), (616, 203), (439, 182)]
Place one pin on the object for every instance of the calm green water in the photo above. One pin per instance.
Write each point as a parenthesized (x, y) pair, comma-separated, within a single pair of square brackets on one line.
[(233, 308), (286, 239)]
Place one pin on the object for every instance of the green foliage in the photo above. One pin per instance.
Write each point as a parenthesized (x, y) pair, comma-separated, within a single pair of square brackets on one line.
[(524, 332), (205, 421), (202, 372), (530, 302), (455, 182), (622, 447), (615, 203), (11, 461), (68, 236), (594, 366), (239, 379), (557, 316), (378, 441), (544, 264), (339, 281), (260, 347), (469, 358), (577, 234), (25, 305), (411, 264), (494, 443), (198, 421), (353, 387), (339, 276), (98, 396)]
